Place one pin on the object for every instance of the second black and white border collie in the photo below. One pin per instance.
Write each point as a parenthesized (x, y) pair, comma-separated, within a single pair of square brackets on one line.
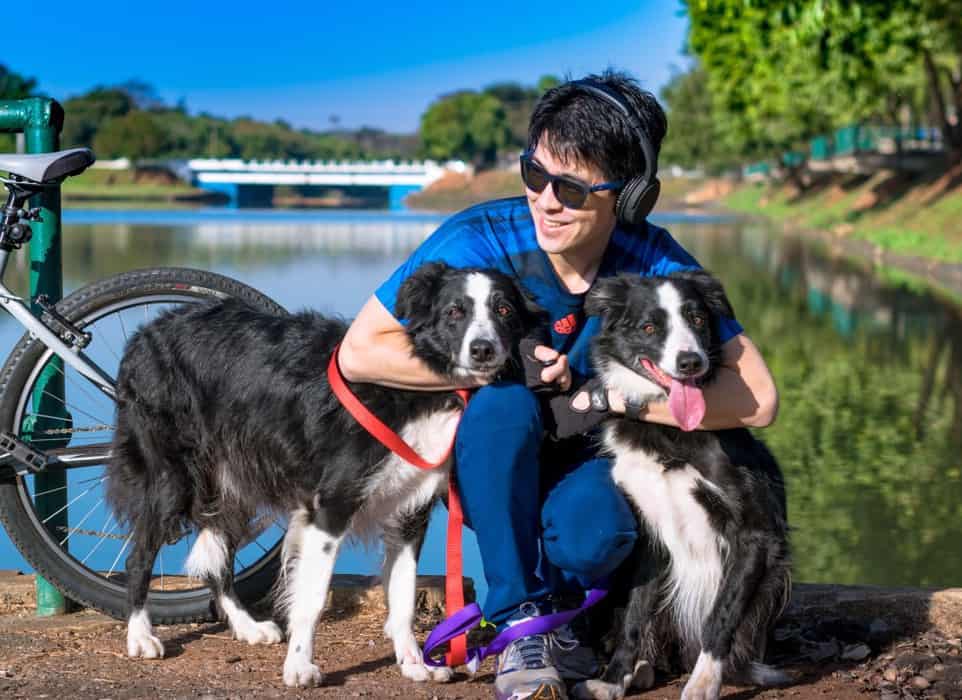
[(224, 412), (714, 571)]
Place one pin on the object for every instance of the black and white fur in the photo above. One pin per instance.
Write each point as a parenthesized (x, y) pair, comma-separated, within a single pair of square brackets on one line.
[(224, 412), (714, 570)]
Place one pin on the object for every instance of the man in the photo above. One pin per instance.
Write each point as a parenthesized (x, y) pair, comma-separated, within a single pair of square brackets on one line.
[(548, 515)]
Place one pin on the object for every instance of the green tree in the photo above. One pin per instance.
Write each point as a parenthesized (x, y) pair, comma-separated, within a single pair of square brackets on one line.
[(468, 125), (133, 135), (694, 138), (783, 71), (14, 86), (85, 114)]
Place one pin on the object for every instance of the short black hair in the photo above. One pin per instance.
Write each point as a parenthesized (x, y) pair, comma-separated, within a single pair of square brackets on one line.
[(588, 130)]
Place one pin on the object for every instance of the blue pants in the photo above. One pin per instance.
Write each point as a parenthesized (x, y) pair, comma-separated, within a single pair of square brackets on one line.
[(543, 522)]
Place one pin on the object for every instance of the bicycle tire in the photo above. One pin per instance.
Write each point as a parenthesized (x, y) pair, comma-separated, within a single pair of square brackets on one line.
[(37, 545)]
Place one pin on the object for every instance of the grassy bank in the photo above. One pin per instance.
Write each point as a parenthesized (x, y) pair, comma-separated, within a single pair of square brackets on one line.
[(129, 187), (908, 215)]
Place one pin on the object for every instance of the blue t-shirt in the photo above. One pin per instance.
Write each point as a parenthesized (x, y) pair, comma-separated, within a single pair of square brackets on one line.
[(501, 234)]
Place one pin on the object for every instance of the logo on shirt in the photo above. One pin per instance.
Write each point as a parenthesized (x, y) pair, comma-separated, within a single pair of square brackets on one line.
[(566, 325)]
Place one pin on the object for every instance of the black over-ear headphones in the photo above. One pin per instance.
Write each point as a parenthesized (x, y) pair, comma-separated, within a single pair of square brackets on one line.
[(638, 195)]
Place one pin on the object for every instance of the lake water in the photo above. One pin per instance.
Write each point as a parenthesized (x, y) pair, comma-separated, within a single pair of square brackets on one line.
[(869, 365)]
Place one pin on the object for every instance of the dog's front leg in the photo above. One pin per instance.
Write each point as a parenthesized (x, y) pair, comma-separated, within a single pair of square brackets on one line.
[(402, 545), (315, 548), (738, 588)]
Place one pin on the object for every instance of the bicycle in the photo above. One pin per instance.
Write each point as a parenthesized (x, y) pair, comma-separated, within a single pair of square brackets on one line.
[(71, 350)]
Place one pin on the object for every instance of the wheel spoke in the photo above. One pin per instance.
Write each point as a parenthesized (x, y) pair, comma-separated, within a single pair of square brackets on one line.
[(103, 538), (82, 521), (119, 554), (71, 502)]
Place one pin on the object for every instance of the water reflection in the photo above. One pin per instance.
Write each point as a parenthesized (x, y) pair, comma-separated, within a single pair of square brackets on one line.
[(869, 428), (870, 373)]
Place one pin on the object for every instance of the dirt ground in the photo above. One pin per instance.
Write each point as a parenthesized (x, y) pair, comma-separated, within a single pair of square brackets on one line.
[(81, 655)]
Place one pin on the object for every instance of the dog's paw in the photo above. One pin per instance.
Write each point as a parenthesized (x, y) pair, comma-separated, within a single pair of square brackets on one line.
[(265, 632), (143, 643), (598, 690), (416, 672), (441, 674), (300, 673), (706, 680), (409, 660)]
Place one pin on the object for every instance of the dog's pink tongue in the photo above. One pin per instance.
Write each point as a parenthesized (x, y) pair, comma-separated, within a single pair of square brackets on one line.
[(687, 404)]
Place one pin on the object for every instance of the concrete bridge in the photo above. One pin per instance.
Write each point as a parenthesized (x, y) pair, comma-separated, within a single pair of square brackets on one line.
[(251, 183)]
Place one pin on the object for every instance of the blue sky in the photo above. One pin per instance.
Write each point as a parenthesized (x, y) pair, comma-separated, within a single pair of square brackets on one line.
[(370, 63)]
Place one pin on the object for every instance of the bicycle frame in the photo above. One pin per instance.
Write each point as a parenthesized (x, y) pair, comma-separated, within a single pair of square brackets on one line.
[(73, 356)]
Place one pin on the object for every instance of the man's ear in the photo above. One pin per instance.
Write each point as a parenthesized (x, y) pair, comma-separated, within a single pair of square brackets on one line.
[(419, 289), (608, 297), (710, 289)]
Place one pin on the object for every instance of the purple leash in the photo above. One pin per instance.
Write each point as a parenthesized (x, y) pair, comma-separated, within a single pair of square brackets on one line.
[(468, 617)]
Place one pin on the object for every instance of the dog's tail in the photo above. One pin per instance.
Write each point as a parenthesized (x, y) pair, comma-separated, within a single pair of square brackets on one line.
[(764, 675)]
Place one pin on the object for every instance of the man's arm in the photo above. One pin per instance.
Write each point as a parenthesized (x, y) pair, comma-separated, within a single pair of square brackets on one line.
[(743, 394), (376, 349)]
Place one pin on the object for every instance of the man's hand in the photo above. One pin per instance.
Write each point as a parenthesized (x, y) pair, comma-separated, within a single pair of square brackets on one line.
[(545, 369), (579, 411)]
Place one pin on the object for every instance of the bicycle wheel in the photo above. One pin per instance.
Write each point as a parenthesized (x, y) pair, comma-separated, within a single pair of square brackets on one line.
[(75, 542)]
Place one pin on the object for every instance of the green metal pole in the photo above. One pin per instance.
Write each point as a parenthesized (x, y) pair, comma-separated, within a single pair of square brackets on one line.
[(41, 120)]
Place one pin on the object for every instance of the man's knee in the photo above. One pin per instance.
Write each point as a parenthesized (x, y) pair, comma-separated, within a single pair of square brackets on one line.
[(588, 525)]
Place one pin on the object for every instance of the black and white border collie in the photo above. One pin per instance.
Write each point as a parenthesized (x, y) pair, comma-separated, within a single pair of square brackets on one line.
[(714, 571), (224, 412)]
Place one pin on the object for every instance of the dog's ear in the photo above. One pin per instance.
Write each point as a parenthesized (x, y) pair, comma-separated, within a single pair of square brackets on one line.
[(710, 289), (420, 289), (608, 297)]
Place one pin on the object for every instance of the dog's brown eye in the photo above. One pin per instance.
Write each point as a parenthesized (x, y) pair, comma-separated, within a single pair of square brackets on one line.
[(697, 321), (648, 328), (455, 313), (504, 310)]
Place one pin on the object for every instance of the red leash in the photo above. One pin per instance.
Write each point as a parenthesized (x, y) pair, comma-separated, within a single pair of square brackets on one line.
[(453, 580)]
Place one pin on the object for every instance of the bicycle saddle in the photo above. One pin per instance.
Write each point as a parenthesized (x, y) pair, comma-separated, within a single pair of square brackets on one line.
[(47, 167)]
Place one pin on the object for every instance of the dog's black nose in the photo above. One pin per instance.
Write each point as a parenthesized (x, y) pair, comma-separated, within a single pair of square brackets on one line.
[(689, 363), (482, 350)]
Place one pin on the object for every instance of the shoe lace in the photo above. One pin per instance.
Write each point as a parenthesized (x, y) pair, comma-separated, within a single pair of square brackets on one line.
[(532, 651), (563, 638)]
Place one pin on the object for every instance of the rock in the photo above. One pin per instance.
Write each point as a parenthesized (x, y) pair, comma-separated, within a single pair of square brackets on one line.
[(919, 682), (891, 674), (232, 659), (856, 652), (889, 695)]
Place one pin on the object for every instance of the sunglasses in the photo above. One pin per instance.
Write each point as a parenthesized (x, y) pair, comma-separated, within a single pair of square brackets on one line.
[(570, 192)]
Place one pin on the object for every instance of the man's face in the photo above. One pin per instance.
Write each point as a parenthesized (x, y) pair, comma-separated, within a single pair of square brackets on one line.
[(561, 230)]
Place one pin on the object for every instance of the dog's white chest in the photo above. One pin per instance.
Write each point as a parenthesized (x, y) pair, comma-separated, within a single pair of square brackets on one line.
[(665, 500), (400, 487)]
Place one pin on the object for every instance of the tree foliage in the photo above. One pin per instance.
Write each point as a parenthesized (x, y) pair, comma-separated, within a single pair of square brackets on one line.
[(783, 71), (14, 86), (481, 126), (131, 120), (695, 140)]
